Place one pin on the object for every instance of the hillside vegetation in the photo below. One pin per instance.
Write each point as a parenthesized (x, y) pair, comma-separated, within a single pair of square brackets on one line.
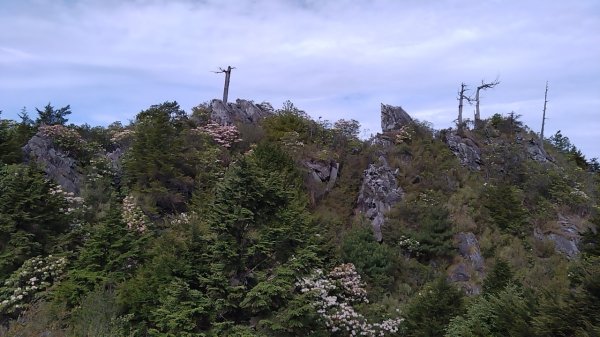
[(243, 220)]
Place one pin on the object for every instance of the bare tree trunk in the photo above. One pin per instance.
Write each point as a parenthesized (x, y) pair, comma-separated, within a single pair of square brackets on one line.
[(483, 86), (544, 115), (477, 112), (227, 77), (226, 89), (461, 97)]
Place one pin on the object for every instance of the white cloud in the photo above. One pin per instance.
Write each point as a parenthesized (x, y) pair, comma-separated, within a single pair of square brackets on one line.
[(340, 58)]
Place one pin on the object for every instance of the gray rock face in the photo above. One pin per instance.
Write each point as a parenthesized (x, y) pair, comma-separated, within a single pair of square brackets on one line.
[(56, 164), (471, 267), (323, 174), (114, 159), (536, 152), (393, 117), (468, 248), (378, 193), (465, 149), (242, 111), (460, 273), (566, 237)]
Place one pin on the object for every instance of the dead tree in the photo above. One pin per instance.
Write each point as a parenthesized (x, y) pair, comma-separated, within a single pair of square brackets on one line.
[(483, 86), (227, 76), (544, 115), (461, 98)]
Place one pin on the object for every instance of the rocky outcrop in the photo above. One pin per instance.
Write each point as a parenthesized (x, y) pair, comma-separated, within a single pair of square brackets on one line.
[(536, 152), (378, 193), (114, 158), (565, 236), (469, 270), (242, 111), (55, 163), (325, 172), (393, 118), (322, 175), (465, 149)]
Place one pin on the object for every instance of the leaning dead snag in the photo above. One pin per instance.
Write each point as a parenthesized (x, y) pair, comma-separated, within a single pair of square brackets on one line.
[(483, 86), (544, 115)]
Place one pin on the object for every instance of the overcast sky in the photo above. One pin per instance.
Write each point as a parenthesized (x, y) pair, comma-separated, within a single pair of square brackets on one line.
[(110, 59)]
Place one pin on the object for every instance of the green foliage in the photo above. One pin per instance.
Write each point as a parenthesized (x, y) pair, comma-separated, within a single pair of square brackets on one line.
[(258, 222), (96, 315), (506, 313), (575, 311), (110, 254), (281, 124), (498, 278), (182, 311), (155, 166), (563, 144), (505, 206), (426, 224), (590, 241), (376, 261), (32, 214), (50, 116), (10, 148), (430, 311)]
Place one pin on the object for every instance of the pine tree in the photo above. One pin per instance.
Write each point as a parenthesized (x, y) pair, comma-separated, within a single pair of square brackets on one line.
[(50, 116)]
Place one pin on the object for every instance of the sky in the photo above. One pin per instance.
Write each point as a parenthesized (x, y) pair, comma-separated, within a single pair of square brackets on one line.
[(110, 59)]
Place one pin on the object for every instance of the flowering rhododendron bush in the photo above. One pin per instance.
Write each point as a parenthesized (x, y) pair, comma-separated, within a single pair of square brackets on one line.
[(224, 135), (34, 276), (133, 215), (333, 297)]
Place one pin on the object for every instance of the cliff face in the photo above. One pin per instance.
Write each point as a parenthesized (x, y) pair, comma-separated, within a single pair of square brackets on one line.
[(379, 191), (56, 164)]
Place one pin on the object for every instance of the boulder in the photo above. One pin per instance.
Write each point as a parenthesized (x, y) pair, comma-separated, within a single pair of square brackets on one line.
[(565, 236), (378, 193), (242, 111), (465, 149), (324, 173), (393, 118), (59, 167)]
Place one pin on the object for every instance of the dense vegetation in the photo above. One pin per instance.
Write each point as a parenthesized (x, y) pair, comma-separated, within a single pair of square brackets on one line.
[(200, 229)]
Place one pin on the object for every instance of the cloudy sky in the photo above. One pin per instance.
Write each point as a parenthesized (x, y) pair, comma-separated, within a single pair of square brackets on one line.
[(110, 59)]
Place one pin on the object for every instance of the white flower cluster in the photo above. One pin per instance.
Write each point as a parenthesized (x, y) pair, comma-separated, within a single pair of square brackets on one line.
[(334, 295), (122, 136), (34, 276), (404, 135), (99, 168), (291, 140), (74, 203), (409, 244), (180, 219), (224, 135), (577, 193), (133, 215)]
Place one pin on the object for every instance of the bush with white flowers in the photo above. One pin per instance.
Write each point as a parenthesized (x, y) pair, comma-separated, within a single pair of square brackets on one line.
[(35, 275), (224, 135), (75, 205), (133, 215), (335, 293)]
